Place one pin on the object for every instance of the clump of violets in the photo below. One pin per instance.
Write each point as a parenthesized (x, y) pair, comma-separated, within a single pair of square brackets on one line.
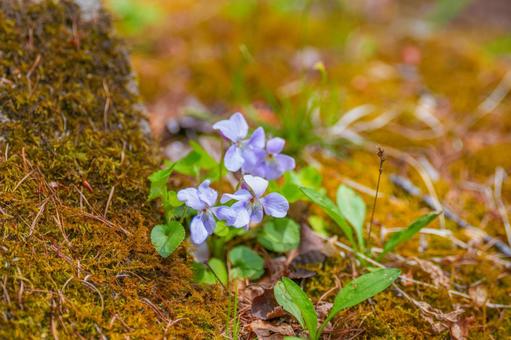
[(257, 161)]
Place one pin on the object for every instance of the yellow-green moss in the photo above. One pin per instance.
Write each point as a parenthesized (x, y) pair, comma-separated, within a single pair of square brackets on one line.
[(70, 267), (392, 316)]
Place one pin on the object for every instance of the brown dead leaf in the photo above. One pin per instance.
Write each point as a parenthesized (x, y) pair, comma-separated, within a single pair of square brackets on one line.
[(309, 241), (435, 272), (266, 330), (309, 257), (439, 320), (408, 275), (322, 309), (479, 295), (460, 330), (277, 267), (265, 306)]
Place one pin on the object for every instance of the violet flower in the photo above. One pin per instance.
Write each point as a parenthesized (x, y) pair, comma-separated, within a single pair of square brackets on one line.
[(273, 164), (203, 199), (250, 206), (243, 153)]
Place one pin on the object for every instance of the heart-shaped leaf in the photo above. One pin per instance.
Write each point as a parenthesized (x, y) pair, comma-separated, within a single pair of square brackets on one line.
[(246, 263), (167, 237), (280, 235)]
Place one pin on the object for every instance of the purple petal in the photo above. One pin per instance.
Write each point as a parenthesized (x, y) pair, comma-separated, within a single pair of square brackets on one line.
[(240, 195), (275, 205), (233, 159), (235, 128), (224, 213), (190, 197), (257, 139), (285, 162), (257, 184), (242, 212), (257, 214), (209, 222), (271, 170), (206, 194), (253, 158), (198, 232), (259, 170), (275, 145)]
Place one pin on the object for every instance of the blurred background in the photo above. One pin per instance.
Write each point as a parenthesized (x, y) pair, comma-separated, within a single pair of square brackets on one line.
[(426, 77)]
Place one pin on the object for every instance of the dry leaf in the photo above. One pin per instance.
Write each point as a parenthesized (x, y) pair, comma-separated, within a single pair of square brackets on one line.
[(479, 295), (266, 330), (435, 272), (265, 306)]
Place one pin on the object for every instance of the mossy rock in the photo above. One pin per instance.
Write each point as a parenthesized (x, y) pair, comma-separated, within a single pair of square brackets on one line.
[(76, 259)]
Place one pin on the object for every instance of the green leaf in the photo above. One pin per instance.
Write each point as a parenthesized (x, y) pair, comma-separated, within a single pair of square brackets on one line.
[(406, 234), (219, 269), (353, 209), (308, 177), (159, 181), (202, 274), (196, 160), (189, 164), (227, 233), (331, 209), (318, 224), (167, 237), (361, 289), (246, 263), (206, 162), (170, 203), (279, 235), (293, 299)]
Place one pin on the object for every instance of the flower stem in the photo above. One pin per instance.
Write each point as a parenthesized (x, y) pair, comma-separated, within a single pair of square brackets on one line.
[(381, 156)]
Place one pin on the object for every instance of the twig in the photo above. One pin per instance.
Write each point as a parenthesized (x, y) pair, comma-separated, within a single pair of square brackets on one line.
[(381, 156), (406, 185), (110, 196), (22, 180), (38, 216), (500, 175)]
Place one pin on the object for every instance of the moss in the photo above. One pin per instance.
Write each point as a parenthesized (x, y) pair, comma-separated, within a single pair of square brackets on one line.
[(74, 262), (388, 315)]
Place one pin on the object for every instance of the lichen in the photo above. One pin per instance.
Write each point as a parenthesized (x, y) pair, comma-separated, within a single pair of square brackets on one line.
[(76, 260)]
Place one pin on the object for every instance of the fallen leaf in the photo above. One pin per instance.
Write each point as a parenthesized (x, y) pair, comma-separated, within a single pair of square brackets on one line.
[(435, 272), (479, 295), (265, 306), (300, 273), (266, 330), (310, 257)]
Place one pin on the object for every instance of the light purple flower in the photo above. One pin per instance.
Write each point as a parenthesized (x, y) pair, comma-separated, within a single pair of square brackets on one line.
[(274, 164), (203, 199), (251, 206), (243, 153)]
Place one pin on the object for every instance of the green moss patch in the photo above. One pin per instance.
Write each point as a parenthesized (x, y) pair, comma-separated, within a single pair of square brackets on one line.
[(75, 255)]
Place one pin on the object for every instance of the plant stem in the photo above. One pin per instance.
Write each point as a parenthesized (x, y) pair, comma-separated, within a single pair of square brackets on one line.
[(216, 276), (220, 165), (236, 326), (381, 156)]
